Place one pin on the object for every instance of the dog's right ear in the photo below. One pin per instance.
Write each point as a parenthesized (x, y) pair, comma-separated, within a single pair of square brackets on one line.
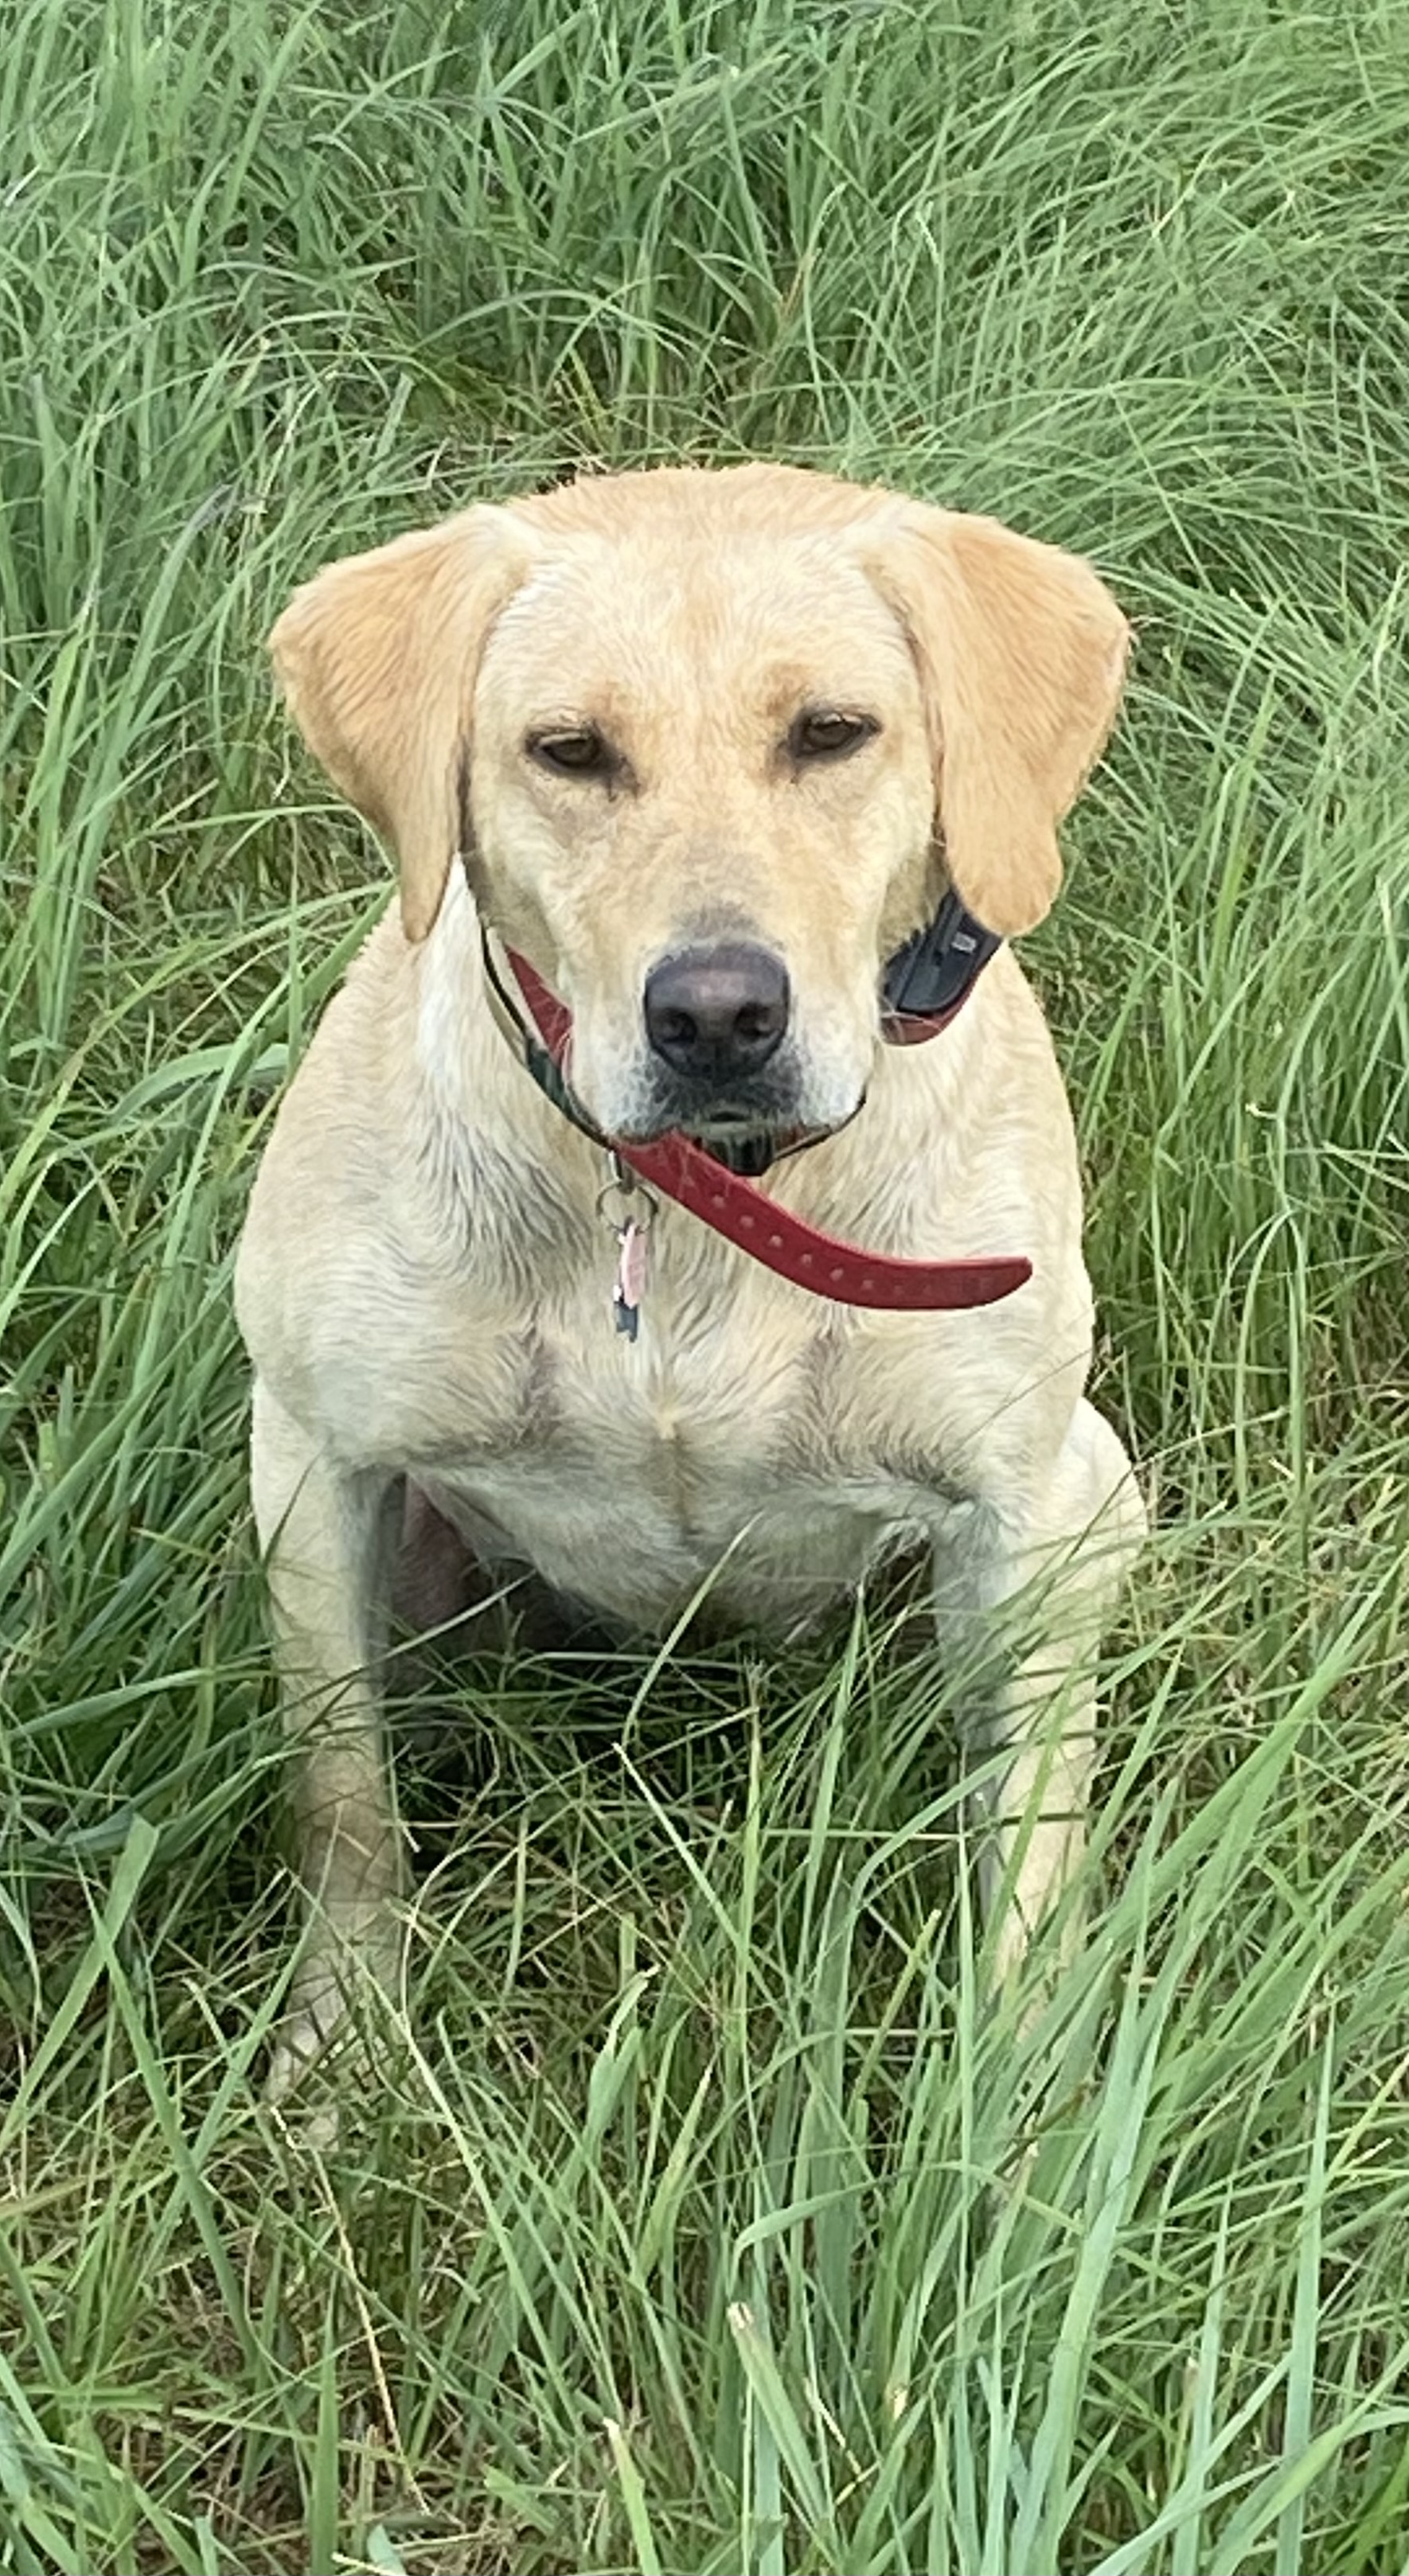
[(377, 657)]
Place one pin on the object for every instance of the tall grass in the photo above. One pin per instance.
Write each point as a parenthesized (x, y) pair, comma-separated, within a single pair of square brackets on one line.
[(710, 2220)]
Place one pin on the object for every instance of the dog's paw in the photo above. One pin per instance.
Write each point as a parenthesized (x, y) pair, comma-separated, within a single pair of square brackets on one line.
[(302, 2041)]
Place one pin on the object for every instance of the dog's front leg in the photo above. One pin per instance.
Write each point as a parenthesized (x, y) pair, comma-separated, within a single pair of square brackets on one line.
[(329, 1536), (1074, 1550)]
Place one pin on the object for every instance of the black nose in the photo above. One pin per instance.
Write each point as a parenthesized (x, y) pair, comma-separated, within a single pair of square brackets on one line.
[(716, 1013)]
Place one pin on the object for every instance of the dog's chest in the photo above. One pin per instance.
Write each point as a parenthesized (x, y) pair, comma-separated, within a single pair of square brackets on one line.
[(631, 1474)]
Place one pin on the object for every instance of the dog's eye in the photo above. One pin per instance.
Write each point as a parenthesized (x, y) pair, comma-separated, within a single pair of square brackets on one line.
[(824, 733), (579, 751)]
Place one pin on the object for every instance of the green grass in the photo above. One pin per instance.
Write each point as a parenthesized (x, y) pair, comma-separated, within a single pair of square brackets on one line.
[(710, 2221)]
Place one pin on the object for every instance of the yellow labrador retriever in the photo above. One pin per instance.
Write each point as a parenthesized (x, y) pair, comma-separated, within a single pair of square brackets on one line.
[(682, 1184)]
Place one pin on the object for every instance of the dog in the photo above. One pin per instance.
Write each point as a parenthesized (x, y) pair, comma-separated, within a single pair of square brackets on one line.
[(681, 1190)]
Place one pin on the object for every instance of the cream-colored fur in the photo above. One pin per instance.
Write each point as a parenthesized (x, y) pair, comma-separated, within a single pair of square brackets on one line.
[(424, 1279)]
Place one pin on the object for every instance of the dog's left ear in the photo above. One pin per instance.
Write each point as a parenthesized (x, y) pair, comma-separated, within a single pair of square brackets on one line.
[(1021, 653), (378, 657)]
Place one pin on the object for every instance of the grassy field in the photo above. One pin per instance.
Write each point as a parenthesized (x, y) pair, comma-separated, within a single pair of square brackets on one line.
[(710, 2221)]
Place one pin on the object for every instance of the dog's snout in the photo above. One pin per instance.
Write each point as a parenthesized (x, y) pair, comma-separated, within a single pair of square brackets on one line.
[(716, 1013)]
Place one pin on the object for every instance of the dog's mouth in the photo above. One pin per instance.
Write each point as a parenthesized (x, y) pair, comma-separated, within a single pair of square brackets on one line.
[(767, 1111), (741, 1137), (746, 1123), (727, 1127), (715, 1133)]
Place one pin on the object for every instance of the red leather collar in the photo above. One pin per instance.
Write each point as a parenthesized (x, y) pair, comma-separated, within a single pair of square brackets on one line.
[(746, 1216)]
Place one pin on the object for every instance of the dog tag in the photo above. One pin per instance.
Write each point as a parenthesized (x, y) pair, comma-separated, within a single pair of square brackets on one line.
[(630, 1277)]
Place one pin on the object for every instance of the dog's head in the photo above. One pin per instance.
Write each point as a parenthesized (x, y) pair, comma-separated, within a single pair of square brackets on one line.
[(710, 745)]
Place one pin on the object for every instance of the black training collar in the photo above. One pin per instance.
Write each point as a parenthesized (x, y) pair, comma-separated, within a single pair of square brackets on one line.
[(935, 971)]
